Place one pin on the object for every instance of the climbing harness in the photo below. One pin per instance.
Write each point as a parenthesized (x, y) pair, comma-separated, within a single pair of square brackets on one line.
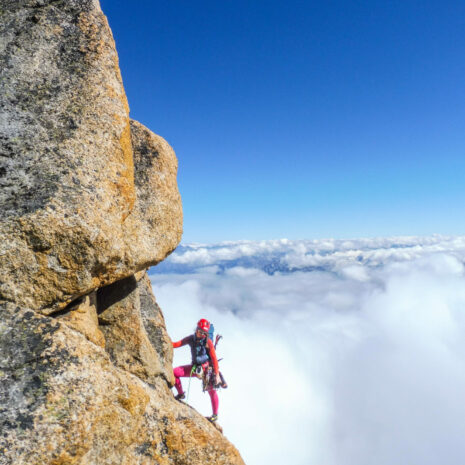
[(207, 379)]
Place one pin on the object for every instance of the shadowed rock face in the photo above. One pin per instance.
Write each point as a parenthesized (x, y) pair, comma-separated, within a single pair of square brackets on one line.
[(120, 307), (88, 201)]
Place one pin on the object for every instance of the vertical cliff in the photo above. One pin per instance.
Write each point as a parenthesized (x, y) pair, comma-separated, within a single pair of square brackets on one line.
[(88, 202)]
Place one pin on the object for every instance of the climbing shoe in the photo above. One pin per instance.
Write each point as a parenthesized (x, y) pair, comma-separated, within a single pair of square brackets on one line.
[(180, 396), (212, 418)]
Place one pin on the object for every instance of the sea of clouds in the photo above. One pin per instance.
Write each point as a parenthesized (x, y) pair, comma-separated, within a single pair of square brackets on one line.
[(336, 352)]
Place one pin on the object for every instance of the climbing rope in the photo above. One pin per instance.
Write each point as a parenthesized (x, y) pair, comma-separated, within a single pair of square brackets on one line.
[(194, 367)]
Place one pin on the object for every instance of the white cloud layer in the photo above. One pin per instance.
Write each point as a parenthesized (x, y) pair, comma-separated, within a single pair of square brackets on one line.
[(353, 355)]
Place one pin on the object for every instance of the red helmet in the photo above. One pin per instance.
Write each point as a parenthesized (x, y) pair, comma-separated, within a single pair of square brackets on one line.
[(204, 325)]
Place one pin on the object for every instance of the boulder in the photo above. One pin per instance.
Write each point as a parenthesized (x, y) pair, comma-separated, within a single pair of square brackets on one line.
[(154, 227), (70, 222)]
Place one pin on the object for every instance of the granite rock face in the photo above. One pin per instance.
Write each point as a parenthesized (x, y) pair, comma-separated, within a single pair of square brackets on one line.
[(154, 326), (63, 401), (119, 309), (70, 221), (154, 226), (82, 316), (88, 201)]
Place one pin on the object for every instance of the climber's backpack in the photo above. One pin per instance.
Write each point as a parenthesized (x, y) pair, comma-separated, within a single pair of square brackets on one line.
[(211, 332)]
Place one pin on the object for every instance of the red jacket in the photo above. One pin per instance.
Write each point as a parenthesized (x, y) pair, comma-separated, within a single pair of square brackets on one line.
[(190, 340)]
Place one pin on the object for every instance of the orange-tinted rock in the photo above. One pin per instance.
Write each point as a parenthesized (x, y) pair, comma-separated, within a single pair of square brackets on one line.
[(63, 401), (82, 316), (71, 221), (124, 328)]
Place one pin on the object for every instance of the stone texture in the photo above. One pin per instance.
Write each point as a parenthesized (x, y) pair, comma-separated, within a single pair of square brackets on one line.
[(154, 324), (62, 401), (126, 338), (70, 222), (82, 316), (154, 226)]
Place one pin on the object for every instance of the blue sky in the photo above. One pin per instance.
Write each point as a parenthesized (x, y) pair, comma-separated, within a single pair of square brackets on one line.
[(303, 119)]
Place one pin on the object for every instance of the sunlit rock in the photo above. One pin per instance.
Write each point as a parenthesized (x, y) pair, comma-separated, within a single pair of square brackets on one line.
[(70, 220)]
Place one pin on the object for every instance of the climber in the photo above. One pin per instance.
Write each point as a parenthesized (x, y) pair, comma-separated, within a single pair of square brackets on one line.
[(203, 358)]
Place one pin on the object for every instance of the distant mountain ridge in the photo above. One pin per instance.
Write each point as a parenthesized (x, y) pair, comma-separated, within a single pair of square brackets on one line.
[(285, 256)]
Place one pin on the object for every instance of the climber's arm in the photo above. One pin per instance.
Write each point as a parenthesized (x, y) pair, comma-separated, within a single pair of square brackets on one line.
[(181, 343), (211, 349)]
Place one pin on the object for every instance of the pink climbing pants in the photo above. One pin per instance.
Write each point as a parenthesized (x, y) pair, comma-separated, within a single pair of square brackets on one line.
[(184, 372)]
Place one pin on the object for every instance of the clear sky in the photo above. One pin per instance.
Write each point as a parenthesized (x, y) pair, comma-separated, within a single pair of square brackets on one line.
[(303, 119)]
